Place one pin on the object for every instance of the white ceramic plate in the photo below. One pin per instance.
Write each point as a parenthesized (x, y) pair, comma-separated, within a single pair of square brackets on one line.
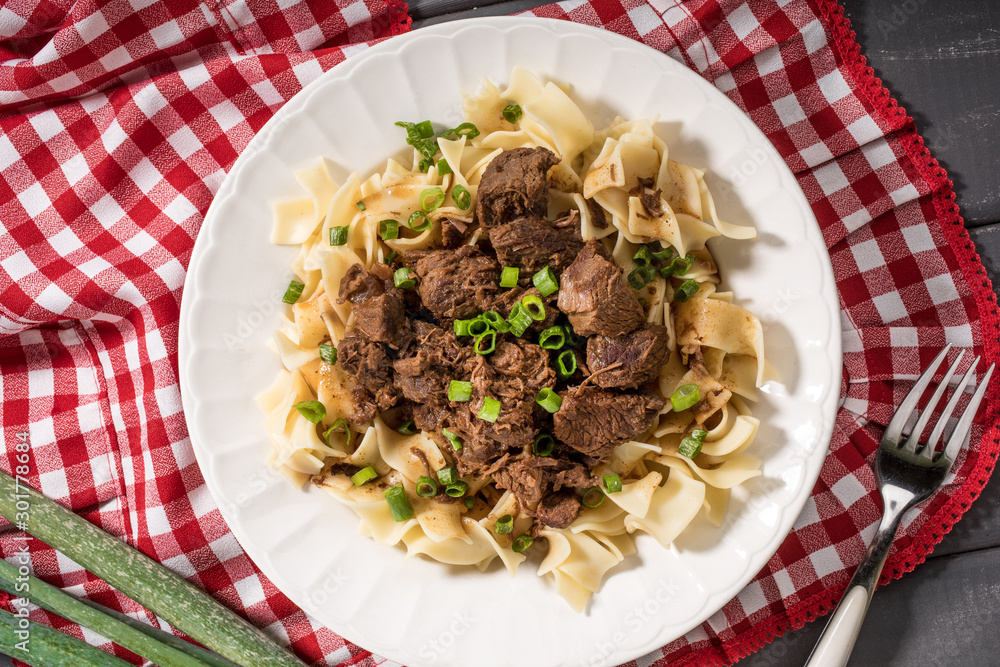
[(420, 612)]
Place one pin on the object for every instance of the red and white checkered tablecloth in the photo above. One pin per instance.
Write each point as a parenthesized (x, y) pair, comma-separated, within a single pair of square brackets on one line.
[(119, 120)]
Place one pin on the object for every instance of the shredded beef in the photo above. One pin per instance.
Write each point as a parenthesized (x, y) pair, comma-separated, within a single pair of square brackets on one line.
[(429, 363), (632, 359), (368, 362), (533, 243), (595, 421), (595, 296), (514, 185), (456, 283)]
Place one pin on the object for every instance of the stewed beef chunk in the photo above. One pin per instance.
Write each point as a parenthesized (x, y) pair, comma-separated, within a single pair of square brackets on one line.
[(379, 311), (633, 359), (456, 283), (531, 477), (359, 285), (595, 296), (595, 421), (426, 366), (514, 185), (368, 361), (534, 243), (558, 509)]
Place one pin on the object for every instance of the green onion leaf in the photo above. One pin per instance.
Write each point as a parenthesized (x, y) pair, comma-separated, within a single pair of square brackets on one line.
[(509, 275), (469, 502), (685, 397), (426, 487), (407, 428), (462, 197), (504, 525), (415, 221), (699, 434), (613, 483), (478, 326), (678, 266), (495, 320), (452, 438), (390, 258), (363, 476), (361, 205), (402, 278), (443, 167), (338, 426), (534, 307), (431, 199), (459, 391), (328, 353), (467, 130), (659, 253), (689, 447), (549, 400), (293, 292), (640, 276), (687, 290), (521, 543), (543, 444), (457, 490), (512, 113), (593, 498), (642, 256), (338, 235), (552, 338), (448, 475), (461, 327), (490, 410), (314, 411), (519, 320), (572, 338), (399, 504), (545, 281), (566, 364), (388, 229), (481, 347)]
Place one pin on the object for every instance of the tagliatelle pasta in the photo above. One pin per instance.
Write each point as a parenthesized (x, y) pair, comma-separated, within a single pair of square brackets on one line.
[(652, 216)]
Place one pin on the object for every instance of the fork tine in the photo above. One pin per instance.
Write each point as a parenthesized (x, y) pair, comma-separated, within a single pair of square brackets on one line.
[(895, 428), (935, 437), (913, 442), (965, 421)]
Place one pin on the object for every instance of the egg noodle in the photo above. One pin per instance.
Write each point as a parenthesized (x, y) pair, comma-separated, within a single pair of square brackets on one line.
[(715, 344)]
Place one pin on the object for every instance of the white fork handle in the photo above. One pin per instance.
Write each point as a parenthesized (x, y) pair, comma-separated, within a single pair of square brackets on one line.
[(837, 641)]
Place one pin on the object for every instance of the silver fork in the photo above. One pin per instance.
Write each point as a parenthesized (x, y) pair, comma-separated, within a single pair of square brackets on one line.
[(907, 474)]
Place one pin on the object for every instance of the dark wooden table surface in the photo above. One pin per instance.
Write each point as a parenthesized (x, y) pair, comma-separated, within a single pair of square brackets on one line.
[(941, 60)]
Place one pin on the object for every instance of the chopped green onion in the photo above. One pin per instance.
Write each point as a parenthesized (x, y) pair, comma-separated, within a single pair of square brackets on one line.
[(504, 525), (593, 498), (478, 326), (391, 257), (613, 483), (464, 130), (407, 428), (293, 292), (360, 204), (363, 476), (687, 290), (328, 353), (685, 397), (495, 320), (566, 364), (479, 347), (678, 266), (339, 425), (512, 113), (461, 327), (521, 543), (689, 447), (572, 338), (443, 167), (640, 276), (642, 256), (314, 411), (416, 225), (426, 487), (552, 338), (431, 199), (420, 136), (545, 281), (534, 307), (456, 489), (402, 278), (448, 475), (469, 502), (543, 444), (338, 235), (490, 410), (549, 400), (426, 163), (699, 434), (659, 253), (462, 197), (519, 320), (508, 277), (452, 438), (389, 229), (459, 391), (399, 505)]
